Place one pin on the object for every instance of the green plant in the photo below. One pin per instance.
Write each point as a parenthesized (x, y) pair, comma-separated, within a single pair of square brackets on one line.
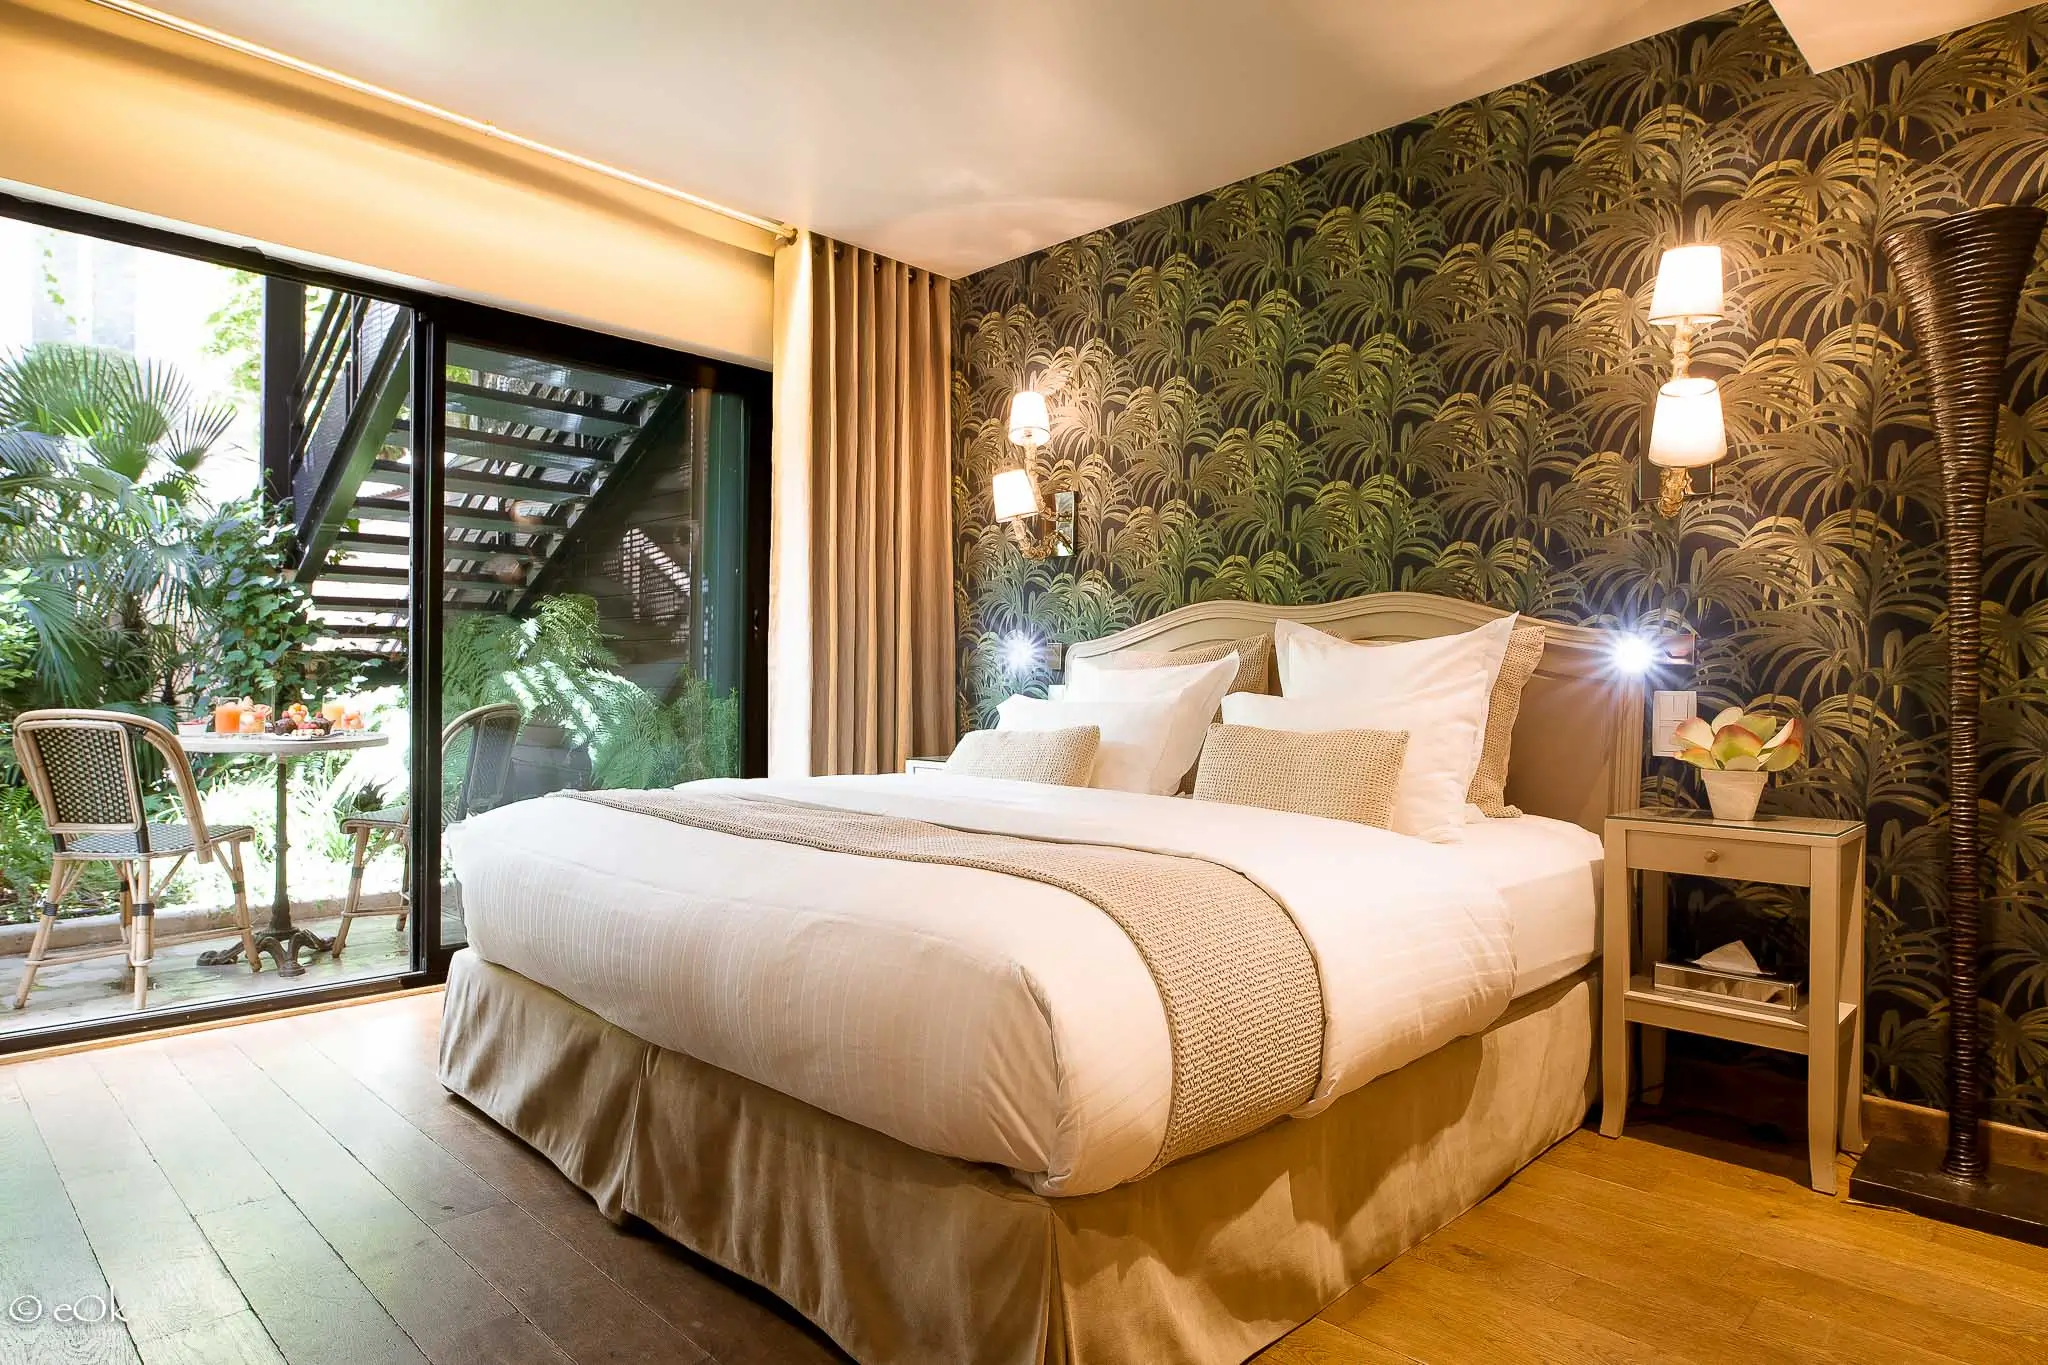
[(257, 617), (554, 664), (24, 849), (17, 638), (1742, 742), (237, 333), (135, 418), (99, 454)]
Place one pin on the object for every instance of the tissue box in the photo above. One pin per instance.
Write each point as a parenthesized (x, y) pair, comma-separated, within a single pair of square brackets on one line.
[(1754, 992)]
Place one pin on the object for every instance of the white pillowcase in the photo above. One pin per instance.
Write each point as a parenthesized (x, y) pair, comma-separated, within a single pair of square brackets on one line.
[(1315, 664), (1444, 722), (1192, 691), (1135, 735)]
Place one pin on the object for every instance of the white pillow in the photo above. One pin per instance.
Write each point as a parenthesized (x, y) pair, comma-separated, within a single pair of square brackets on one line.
[(1193, 691), (1444, 722), (1135, 735), (1315, 664)]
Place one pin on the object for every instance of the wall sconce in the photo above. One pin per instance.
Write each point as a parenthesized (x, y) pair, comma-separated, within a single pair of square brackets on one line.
[(1016, 495), (1686, 429), (1636, 653), (1020, 653)]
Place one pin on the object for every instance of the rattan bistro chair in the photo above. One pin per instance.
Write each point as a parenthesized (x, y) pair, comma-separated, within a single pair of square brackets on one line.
[(81, 767), (486, 773)]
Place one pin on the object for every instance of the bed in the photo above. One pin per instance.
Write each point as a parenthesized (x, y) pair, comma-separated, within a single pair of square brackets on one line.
[(924, 1103)]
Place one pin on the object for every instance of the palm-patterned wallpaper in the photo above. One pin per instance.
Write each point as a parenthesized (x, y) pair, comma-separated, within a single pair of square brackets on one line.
[(1420, 360)]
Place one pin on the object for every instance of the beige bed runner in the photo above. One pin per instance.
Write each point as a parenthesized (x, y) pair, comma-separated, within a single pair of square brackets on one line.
[(1244, 1006)]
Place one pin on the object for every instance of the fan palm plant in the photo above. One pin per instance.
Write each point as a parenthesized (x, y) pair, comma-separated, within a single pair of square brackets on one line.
[(99, 455)]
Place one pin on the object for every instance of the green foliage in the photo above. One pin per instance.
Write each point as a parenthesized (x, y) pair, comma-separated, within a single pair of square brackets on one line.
[(1420, 360), (136, 419), (258, 619), (24, 848), (17, 639), (25, 865), (237, 334), (555, 665), (99, 456)]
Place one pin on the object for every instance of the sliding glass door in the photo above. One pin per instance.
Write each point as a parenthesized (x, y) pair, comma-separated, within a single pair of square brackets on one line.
[(600, 608), (378, 564)]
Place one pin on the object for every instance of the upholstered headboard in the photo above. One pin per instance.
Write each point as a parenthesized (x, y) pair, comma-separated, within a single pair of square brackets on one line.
[(1578, 747)]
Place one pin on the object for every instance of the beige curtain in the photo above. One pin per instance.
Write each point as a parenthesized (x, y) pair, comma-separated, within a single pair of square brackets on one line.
[(872, 541)]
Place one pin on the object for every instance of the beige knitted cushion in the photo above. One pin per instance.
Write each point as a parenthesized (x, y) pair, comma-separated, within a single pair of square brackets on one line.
[(1254, 659), (1489, 789), (1062, 758), (1340, 774)]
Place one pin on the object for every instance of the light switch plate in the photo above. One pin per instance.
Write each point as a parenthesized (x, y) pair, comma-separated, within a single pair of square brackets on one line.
[(1667, 710)]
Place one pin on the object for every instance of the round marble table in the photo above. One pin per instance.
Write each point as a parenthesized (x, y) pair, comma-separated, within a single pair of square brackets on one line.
[(281, 939)]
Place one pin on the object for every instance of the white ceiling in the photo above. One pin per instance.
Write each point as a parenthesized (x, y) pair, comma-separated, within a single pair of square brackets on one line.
[(956, 134), (1832, 33)]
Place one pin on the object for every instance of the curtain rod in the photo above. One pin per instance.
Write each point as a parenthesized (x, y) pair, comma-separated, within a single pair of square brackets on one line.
[(782, 232)]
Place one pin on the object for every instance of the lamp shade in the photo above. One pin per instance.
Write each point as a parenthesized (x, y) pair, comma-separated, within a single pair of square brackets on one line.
[(1686, 430), (1688, 286), (1015, 495), (1029, 423)]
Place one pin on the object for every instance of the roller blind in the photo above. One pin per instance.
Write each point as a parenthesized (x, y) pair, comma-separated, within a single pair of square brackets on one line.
[(117, 112)]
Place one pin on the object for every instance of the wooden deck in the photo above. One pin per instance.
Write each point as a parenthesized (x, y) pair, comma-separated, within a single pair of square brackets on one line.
[(301, 1190)]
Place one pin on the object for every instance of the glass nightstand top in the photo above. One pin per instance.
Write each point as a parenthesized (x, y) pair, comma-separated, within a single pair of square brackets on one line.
[(1778, 824)]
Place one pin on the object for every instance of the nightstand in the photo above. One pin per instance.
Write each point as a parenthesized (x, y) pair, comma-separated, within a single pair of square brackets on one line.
[(1825, 856), (925, 765)]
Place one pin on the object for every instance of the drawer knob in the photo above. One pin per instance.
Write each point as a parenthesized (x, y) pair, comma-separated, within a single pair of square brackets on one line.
[(1713, 855)]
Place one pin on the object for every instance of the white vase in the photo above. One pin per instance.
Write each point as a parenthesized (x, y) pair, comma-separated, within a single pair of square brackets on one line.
[(1734, 795)]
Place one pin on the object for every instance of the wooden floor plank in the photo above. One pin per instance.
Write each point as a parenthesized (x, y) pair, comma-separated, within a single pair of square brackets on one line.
[(361, 1215), (45, 1258), (1800, 1274), (432, 1184), (737, 1323), (393, 1053), (208, 1168), (312, 1305), (734, 1322), (1672, 1267), (1321, 1343), (1687, 1285), (590, 1318), (235, 1340), (304, 1296), (1436, 1314), (1901, 1273), (1728, 1187), (158, 1264), (451, 1313)]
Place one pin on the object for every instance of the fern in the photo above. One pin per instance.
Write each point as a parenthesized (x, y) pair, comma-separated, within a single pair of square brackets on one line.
[(556, 667)]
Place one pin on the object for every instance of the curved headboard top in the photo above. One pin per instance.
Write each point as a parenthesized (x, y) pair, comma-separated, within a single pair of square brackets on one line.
[(1578, 745)]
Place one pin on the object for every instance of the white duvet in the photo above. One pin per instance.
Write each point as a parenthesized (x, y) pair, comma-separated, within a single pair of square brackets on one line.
[(965, 1012)]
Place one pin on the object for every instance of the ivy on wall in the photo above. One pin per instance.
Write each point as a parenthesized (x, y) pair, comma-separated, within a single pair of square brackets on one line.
[(1421, 361)]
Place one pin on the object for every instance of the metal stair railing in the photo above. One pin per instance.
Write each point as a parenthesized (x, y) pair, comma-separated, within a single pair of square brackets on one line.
[(345, 401)]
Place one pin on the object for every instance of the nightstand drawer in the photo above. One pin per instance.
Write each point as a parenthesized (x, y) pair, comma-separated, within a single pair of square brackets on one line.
[(1740, 859)]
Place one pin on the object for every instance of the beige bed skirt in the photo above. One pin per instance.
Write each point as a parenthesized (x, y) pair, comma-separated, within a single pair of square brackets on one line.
[(904, 1256)]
